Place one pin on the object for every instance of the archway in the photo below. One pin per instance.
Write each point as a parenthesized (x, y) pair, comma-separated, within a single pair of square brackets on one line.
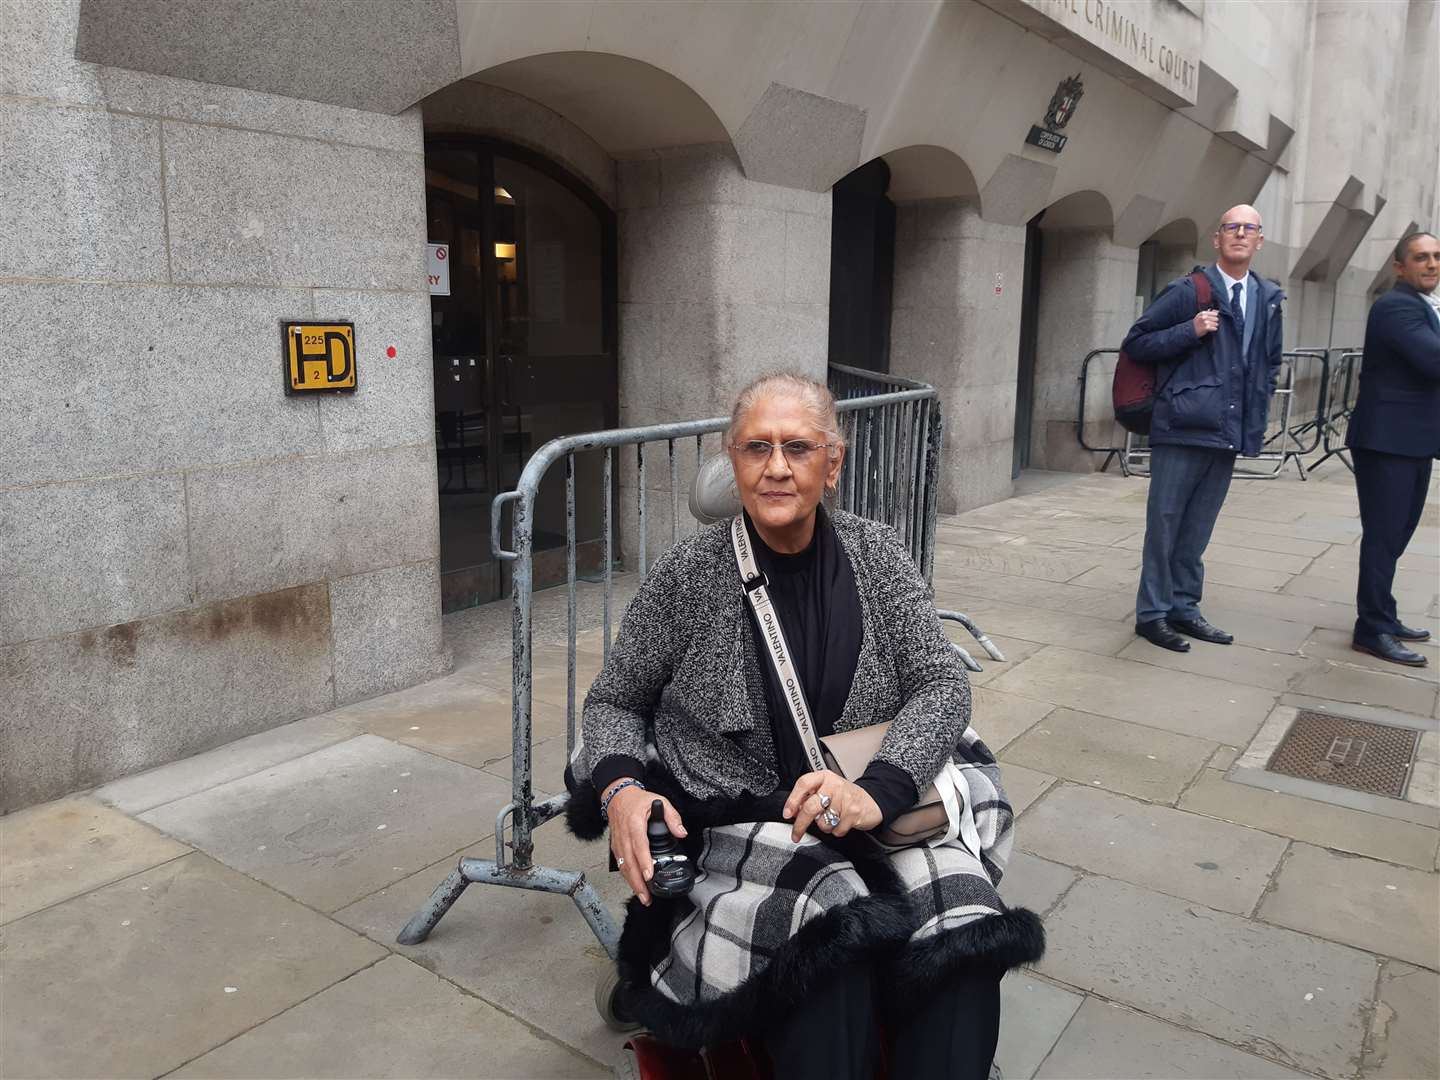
[(1169, 253)]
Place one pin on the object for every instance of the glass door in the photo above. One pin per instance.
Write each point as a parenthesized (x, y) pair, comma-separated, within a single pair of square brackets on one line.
[(524, 350)]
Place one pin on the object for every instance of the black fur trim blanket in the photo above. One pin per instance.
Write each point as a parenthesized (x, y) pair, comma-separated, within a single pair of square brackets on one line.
[(769, 920)]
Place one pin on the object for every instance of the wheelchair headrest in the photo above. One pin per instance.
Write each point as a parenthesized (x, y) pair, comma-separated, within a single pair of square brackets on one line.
[(713, 496)]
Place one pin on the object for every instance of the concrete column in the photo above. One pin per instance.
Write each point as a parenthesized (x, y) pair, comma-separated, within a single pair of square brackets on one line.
[(955, 324), (721, 279), (1087, 301)]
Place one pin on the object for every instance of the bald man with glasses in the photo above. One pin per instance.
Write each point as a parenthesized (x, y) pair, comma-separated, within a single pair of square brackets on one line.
[(1216, 368)]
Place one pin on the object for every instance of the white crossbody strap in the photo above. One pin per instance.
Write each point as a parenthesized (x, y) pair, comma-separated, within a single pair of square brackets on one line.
[(759, 597)]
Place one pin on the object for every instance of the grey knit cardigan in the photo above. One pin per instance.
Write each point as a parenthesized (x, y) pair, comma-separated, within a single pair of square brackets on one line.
[(686, 665)]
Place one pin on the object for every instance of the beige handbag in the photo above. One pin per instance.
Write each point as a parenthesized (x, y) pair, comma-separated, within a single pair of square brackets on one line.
[(942, 812)]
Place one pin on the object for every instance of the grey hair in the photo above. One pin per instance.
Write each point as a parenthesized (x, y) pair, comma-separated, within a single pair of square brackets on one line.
[(815, 396)]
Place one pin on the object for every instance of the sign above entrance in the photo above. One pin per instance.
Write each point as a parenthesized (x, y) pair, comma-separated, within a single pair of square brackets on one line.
[(1058, 113), (438, 268), (1154, 47), (319, 357)]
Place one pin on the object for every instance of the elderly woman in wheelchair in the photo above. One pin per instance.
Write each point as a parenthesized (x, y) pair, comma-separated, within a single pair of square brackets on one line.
[(782, 687)]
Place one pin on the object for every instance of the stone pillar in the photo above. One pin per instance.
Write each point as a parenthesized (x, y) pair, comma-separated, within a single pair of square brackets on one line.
[(1087, 301), (955, 324), (721, 279)]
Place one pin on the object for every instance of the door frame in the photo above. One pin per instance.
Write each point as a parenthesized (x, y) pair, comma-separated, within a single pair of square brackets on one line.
[(487, 148)]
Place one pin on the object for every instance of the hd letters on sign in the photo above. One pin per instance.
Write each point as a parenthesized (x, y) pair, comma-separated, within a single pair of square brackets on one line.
[(319, 357)]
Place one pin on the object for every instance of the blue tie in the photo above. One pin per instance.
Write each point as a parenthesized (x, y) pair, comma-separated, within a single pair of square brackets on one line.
[(1236, 309)]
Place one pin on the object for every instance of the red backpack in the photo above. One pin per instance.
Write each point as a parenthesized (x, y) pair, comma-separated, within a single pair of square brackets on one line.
[(1133, 391)]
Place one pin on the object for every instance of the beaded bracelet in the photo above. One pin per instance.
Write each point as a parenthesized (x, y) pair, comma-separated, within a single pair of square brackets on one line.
[(621, 786)]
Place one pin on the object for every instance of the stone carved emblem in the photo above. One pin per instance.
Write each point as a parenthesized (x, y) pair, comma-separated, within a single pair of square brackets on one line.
[(1064, 102)]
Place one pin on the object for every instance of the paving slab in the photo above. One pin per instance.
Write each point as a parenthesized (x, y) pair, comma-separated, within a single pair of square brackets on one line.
[(1235, 663), (1023, 560), (144, 791), (1224, 757), (1315, 822), (1238, 555), (1335, 645), (1403, 1043), (1105, 1041), (398, 1021), (459, 717), (1015, 650), (1299, 609), (548, 759), (965, 585), (1380, 907), (1186, 855), (1033, 1013), (1034, 883), (337, 824), (1412, 588), (1143, 694), (1259, 631), (1219, 573), (62, 849), (1000, 718), (1236, 534), (1023, 785), (1129, 758), (1343, 682), (145, 974), (530, 954), (1081, 632), (1291, 998)]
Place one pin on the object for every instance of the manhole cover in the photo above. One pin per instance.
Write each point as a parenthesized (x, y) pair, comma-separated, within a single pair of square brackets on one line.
[(1350, 753)]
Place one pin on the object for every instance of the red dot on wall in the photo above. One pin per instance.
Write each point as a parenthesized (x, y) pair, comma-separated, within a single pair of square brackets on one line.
[(391, 351)]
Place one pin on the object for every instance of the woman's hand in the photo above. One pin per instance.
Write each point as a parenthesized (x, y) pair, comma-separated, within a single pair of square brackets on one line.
[(819, 794), (629, 813)]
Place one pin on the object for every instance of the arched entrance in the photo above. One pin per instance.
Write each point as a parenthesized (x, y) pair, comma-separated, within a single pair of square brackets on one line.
[(523, 334)]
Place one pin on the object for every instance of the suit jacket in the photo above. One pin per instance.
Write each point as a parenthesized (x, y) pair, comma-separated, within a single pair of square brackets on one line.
[(1213, 392), (1398, 408), (686, 665)]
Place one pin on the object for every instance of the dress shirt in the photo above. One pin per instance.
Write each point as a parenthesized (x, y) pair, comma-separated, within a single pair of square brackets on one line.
[(1230, 284)]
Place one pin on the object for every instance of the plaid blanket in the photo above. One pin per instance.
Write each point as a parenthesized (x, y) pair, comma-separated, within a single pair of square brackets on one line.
[(769, 918)]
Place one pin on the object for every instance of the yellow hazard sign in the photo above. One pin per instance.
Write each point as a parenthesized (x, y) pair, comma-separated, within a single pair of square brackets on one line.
[(319, 357)]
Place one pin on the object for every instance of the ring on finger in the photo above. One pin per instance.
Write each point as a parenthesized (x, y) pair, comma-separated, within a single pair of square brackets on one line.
[(619, 862), (831, 818), (824, 801)]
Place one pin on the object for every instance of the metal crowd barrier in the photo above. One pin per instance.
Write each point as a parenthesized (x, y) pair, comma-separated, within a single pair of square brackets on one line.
[(890, 474), (1342, 389), (1300, 415)]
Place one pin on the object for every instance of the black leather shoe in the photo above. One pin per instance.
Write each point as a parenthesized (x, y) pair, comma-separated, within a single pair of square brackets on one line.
[(1410, 633), (1388, 647), (1198, 627), (1158, 632)]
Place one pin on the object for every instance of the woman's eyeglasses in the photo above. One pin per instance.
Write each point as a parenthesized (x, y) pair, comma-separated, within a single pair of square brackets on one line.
[(1235, 228), (796, 451)]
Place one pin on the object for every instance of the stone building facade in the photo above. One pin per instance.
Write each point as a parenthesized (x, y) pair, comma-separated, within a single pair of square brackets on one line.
[(190, 555)]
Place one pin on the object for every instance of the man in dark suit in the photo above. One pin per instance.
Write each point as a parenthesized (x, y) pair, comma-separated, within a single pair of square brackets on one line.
[(1216, 371), (1394, 433)]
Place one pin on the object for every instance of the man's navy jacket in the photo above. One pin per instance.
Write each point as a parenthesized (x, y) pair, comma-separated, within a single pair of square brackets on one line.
[(1398, 411), (1207, 394)]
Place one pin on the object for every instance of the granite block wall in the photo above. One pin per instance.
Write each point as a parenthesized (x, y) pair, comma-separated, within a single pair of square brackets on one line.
[(1087, 301), (722, 278), (189, 555), (955, 324)]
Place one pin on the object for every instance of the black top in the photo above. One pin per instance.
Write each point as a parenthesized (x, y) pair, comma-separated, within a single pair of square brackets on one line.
[(818, 603)]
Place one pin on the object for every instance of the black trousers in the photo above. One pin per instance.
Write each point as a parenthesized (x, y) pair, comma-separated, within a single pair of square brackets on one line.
[(835, 1035), (1392, 490)]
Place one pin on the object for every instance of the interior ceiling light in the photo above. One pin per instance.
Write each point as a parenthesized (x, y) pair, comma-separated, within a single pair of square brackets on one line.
[(501, 195)]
